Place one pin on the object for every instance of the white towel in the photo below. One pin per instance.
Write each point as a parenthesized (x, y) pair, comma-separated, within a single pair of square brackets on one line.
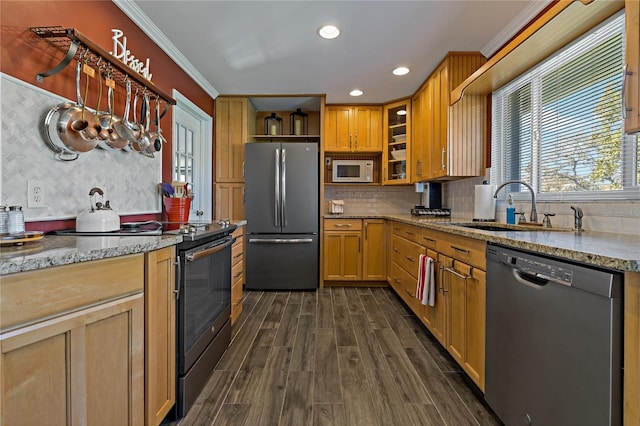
[(420, 284), (430, 285), (426, 287)]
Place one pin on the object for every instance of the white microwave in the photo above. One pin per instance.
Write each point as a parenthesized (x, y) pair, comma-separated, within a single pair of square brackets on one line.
[(352, 171)]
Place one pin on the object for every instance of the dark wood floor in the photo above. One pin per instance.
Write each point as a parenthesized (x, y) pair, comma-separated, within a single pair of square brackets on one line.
[(338, 356)]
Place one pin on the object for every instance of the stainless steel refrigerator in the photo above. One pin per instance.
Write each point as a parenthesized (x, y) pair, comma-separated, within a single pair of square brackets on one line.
[(281, 202)]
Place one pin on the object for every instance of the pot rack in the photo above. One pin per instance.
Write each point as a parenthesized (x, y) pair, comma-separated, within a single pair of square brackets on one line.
[(78, 46)]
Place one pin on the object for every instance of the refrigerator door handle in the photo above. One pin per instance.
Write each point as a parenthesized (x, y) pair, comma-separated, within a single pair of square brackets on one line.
[(283, 191), (281, 240), (277, 188)]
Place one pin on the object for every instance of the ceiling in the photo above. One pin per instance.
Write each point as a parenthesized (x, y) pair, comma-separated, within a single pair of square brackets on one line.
[(272, 47)]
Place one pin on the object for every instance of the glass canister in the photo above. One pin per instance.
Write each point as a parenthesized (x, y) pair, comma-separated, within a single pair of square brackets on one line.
[(15, 224), (4, 220), (298, 122), (272, 124)]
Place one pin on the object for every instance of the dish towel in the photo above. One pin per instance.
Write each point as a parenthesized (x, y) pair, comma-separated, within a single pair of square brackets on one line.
[(426, 285)]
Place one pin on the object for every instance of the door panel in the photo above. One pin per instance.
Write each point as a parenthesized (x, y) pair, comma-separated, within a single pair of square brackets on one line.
[(300, 196), (274, 262), (260, 187)]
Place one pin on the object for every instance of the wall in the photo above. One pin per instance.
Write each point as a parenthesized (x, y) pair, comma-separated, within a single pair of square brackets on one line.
[(609, 216), (23, 55), (364, 200)]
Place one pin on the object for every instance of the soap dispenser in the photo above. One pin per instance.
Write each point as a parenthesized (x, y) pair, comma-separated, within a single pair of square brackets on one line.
[(511, 212)]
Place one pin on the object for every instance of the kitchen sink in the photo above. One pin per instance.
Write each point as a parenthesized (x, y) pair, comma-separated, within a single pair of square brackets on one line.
[(504, 227)]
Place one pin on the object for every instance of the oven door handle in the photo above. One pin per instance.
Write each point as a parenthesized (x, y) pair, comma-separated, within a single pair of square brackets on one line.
[(179, 275), (192, 257)]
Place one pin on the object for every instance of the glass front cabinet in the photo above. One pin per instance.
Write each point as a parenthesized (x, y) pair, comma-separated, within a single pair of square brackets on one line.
[(397, 134)]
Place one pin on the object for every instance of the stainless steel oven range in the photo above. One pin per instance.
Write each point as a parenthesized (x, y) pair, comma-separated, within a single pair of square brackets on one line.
[(203, 329)]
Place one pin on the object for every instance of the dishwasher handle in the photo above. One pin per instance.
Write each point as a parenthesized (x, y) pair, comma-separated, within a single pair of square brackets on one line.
[(536, 281)]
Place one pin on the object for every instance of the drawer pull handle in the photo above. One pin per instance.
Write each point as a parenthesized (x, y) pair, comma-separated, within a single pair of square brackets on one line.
[(238, 255), (237, 275), (396, 280), (409, 233), (343, 225), (396, 250), (408, 292), (431, 240), (460, 249), (456, 273), (238, 302), (410, 259)]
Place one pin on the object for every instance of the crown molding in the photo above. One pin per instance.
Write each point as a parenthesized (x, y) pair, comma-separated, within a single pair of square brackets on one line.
[(515, 25), (157, 36)]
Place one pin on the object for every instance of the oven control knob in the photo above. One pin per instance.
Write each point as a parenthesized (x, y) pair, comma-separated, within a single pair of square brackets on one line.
[(224, 222)]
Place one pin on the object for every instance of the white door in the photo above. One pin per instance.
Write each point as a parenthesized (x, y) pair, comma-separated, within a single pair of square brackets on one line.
[(192, 155)]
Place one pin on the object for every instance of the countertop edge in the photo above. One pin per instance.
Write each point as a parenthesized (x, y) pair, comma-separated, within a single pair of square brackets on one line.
[(75, 254), (521, 240)]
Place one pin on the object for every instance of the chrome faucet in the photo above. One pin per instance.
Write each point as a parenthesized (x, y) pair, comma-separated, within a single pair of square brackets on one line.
[(577, 218), (534, 212)]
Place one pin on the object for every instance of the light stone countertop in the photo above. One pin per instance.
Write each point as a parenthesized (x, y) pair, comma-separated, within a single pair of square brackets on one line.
[(56, 250), (604, 249)]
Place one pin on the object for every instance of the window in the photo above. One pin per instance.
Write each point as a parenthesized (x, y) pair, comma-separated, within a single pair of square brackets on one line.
[(559, 127)]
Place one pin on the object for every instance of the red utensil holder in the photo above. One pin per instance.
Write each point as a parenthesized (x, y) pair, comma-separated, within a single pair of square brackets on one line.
[(177, 209)]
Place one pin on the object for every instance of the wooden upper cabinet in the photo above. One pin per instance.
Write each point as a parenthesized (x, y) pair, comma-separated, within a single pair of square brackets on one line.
[(632, 90), (419, 128), (350, 128), (396, 155), (457, 148), (368, 130), (231, 134)]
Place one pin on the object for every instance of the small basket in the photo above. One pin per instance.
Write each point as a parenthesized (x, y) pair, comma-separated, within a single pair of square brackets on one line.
[(177, 209)]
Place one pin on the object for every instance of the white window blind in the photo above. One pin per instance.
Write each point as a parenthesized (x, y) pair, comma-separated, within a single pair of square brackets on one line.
[(559, 127)]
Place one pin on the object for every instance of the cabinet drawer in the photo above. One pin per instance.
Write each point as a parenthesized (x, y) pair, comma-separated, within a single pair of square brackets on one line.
[(410, 232), (237, 252), (238, 233), (236, 301), (237, 273), (34, 295), (432, 239), (405, 285), (406, 254), (343, 224), (468, 250)]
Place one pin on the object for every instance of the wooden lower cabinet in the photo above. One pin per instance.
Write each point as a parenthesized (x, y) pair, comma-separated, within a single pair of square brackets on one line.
[(354, 250), (83, 368), (465, 305), (457, 320), (342, 256), (435, 317), (237, 273), (374, 265), (160, 336)]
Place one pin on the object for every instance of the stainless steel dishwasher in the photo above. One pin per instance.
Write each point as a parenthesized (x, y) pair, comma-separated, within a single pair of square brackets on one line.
[(553, 341)]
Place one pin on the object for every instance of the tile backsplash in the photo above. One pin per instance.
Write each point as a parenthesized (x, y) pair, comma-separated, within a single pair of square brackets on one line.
[(129, 180), (605, 216), (363, 200)]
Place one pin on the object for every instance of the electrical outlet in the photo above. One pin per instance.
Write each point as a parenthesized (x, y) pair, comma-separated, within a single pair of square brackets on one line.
[(36, 194)]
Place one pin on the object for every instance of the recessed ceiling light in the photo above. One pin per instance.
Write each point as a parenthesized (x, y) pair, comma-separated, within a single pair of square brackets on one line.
[(329, 32), (402, 112), (401, 71), (356, 92)]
